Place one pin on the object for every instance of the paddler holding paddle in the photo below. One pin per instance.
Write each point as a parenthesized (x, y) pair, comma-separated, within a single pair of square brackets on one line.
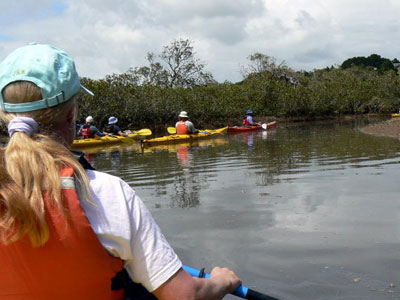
[(112, 127), (66, 229), (248, 119)]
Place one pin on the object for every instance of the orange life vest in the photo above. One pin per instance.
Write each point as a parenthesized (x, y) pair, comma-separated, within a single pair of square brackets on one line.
[(181, 128), (72, 264)]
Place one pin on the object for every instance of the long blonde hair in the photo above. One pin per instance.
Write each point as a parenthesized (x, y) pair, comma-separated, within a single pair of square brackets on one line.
[(32, 163)]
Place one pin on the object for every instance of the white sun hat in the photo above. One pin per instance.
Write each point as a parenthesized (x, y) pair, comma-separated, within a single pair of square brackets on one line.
[(112, 120), (183, 114)]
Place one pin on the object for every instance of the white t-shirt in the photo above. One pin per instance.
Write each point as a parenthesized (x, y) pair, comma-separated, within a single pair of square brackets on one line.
[(127, 230)]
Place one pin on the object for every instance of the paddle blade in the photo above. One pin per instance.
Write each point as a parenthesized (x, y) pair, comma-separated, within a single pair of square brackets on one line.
[(171, 130), (144, 131), (269, 125)]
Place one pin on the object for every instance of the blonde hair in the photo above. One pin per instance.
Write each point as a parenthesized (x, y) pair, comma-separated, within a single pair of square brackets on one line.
[(32, 163)]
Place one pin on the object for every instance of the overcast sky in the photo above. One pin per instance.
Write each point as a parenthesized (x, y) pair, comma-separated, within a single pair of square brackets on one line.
[(110, 36)]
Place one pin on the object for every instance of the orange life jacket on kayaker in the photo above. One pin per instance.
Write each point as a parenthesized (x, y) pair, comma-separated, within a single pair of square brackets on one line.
[(72, 264), (181, 128)]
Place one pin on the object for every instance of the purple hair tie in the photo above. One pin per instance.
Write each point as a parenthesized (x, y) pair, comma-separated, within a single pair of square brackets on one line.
[(23, 124)]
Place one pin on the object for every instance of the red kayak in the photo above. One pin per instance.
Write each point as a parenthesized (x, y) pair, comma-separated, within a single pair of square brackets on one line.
[(235, 129)]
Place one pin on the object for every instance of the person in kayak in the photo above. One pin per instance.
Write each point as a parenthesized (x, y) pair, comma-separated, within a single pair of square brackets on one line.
[(112, 127), (248, 119), (184, 126), (88, 130), (66, 229)]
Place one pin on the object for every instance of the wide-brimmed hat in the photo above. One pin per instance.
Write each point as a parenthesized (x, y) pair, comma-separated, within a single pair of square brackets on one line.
[(112, 120), (89, 119), (183, 114), (50, 68)]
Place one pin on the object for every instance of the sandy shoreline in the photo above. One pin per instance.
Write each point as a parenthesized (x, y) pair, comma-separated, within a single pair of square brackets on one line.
[(390, 128)]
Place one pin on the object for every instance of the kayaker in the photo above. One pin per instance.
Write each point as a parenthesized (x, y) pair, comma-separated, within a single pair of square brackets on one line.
[(248, 119), (184, 126), (88, 130), (65, 231), (112, 127)]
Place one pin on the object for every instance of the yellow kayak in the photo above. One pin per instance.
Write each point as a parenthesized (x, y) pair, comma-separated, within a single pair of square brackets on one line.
[(395, 115), (98, 141), (178, 138), (174, 147), (110, 139)]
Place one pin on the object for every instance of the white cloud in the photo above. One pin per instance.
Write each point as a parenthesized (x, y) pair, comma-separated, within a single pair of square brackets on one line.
[(108, 37)]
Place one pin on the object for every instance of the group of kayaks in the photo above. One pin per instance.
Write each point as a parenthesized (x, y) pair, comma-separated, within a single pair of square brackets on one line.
[(169, 139)]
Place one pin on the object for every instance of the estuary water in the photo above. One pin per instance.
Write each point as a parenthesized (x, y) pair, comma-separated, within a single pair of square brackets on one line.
[(305, 211)]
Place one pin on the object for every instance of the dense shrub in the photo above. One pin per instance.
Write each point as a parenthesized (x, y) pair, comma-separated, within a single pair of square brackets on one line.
[(327, 92)]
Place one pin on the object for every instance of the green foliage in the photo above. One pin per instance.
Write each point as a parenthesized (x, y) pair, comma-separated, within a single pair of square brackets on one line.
[(178, 68), (269, 93), (375, 61), (150, 97)]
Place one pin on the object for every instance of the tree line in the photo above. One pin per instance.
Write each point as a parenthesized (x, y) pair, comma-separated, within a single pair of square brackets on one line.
[(175, 80)]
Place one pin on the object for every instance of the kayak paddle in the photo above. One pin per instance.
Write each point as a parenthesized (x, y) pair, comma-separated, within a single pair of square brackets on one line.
[(144, 131), (242, 291), (265, 126), (122, 138), (171, 130)]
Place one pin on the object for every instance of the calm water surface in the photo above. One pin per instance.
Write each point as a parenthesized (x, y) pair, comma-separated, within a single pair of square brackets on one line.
[(306, 211)]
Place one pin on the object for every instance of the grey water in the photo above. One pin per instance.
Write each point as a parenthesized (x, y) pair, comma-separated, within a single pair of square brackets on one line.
[(306, 211)]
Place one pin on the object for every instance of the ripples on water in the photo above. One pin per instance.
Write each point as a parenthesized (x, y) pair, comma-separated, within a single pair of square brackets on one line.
[(306, 211)]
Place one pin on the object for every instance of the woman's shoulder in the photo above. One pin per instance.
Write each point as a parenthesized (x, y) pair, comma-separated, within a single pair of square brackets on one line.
[(103, 177), (104, 183)]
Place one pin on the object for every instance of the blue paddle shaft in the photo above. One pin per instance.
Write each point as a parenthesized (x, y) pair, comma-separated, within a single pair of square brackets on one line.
[(241, 291)]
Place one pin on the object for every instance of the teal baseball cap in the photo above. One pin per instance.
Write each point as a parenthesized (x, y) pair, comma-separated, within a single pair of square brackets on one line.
[(50, 68)]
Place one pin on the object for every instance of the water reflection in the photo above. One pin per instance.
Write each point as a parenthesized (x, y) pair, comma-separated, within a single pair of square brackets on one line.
[(163, 165), (301, 211), (190, 180)]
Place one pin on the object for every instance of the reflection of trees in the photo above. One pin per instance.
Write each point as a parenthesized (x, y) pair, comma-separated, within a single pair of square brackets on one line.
[(107, 160), (298, 147), (180, 171), (187, 190), (277, 156), (115, 158), (191, 180)]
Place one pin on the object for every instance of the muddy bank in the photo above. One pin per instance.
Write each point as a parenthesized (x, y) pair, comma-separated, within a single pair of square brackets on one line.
[(389, 128)]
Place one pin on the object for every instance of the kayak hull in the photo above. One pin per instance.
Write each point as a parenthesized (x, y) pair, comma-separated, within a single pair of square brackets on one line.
[(179, 138), (105, 140), (97, 141), (236, 129)]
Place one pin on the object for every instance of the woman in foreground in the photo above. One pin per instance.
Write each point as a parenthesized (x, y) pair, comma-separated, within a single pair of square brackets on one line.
[(67, 231)]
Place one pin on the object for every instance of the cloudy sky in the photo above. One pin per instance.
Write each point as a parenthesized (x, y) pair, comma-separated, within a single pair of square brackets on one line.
[(110, 36)]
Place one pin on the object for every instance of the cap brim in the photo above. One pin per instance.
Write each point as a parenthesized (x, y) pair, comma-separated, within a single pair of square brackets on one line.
[(87, 90)]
